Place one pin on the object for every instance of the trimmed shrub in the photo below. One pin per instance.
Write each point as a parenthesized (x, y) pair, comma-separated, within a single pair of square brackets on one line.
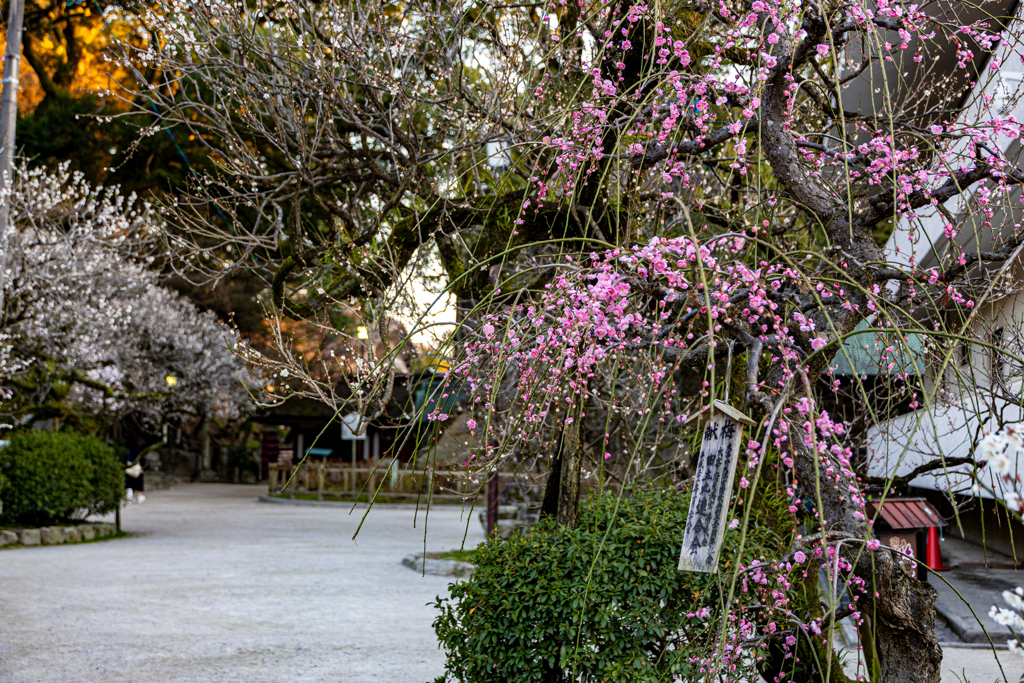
[(54, 475), (107, 478), (601, 602)]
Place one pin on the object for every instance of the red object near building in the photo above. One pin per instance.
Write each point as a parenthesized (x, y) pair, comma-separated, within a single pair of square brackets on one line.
[(913, 522), (933, 553)]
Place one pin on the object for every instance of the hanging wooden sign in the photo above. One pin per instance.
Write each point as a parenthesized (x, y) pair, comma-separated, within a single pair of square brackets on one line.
[(712, 486)]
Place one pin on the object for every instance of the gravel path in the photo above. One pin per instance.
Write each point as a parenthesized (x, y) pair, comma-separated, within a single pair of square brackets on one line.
[(213, 586)]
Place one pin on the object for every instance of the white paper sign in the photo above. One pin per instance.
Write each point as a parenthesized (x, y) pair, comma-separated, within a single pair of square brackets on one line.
[(712, 489)]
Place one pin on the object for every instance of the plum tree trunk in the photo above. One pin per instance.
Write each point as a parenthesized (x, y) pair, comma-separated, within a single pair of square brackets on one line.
[(901, 608), (904, 621), (569, 475), (562, 492)]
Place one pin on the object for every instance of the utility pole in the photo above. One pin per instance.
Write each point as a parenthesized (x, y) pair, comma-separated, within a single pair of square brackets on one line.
[(8, 120)]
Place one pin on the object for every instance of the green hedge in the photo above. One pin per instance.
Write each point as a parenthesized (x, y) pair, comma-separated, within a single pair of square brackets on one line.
[(601, 602), (107, 478), (54, 476)]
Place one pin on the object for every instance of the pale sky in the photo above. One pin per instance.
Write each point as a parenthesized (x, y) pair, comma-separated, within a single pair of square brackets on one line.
[(423, 293)]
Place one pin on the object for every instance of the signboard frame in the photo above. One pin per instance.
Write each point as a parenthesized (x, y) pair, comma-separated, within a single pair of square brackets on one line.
[(712, 488)]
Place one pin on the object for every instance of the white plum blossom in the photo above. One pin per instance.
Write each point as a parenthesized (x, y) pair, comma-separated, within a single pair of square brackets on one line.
[(1015, 598), (1006, 617), (993, 451), (1011, 617), (999, 452), (87, 328)]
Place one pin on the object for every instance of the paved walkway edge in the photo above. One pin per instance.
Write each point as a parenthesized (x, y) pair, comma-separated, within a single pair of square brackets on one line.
[(973, 646), (969, 632)]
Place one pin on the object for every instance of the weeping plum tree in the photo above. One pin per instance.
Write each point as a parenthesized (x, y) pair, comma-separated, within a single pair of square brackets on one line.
[(638, 208)]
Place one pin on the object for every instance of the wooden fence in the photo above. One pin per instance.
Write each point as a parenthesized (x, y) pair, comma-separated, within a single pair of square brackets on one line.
[(339, 480)]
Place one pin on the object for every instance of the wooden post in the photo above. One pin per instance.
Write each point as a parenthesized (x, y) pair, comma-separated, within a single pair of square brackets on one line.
[(320, 483), (206, 444), (492, 503), (712, 489)]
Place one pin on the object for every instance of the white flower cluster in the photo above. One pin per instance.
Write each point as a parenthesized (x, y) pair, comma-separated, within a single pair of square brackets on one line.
[(1011, 618), (85, 323), (999, 453), (1006, 617), (996, 450)]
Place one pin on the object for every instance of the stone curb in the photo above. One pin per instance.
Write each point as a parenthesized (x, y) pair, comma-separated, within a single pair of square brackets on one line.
[(57, 535), (975, 646), (949, 608), (968, 631), (459, 570)]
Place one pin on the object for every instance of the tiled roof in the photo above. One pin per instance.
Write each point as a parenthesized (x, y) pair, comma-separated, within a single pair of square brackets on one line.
[(906, 513)]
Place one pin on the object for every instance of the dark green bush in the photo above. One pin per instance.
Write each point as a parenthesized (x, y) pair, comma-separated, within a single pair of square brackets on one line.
[(540, 608), (54, 475), (107, 478)]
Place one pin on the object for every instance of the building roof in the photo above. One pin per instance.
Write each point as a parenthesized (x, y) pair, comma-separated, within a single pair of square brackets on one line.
[(861, 354), (906, 513)]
